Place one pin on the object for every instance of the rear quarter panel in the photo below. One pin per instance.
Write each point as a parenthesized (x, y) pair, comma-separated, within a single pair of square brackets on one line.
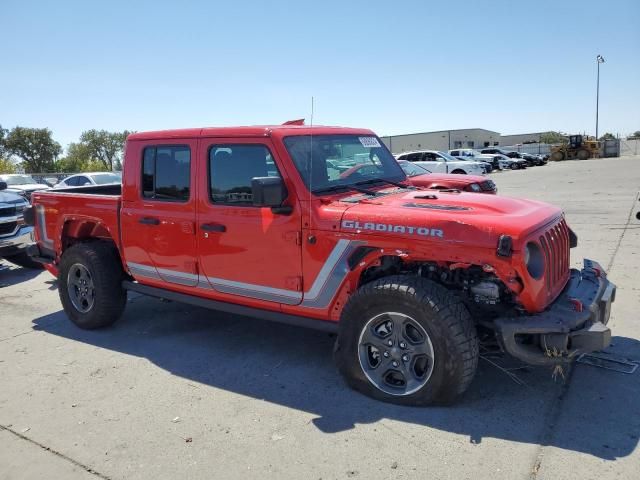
[(61, 216)]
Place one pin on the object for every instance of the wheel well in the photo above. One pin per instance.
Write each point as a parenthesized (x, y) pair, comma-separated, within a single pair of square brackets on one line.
[(482, 291), (459, 171), (75, 231)]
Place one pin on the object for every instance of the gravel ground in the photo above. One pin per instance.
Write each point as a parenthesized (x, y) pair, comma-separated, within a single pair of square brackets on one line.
[(173, 391)]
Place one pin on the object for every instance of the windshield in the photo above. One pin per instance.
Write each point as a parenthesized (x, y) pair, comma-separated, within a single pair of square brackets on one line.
[(103, 178), (341, 160), (413, 170), (18, 180), (447, 157)]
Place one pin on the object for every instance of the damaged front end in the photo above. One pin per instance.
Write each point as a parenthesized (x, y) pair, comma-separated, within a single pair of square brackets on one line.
[(575, 323)]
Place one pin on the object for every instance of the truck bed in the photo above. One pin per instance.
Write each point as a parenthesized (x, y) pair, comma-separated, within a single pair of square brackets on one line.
[(68, 214)]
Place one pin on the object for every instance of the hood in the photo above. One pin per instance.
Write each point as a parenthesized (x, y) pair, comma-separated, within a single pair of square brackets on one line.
[(29, 187), (445, 178), (10, 197), (459, 217)]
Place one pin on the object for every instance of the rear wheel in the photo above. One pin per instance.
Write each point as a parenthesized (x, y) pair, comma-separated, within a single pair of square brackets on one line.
[(557, 156), (583, 154), (23, 260), (90, 284), (407, 340)]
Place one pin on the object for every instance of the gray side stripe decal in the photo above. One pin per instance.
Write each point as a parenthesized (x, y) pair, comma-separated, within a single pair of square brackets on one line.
[(331, 275), (324, 288)]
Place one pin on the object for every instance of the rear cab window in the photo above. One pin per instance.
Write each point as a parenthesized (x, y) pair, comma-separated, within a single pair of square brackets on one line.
[(166, 171)]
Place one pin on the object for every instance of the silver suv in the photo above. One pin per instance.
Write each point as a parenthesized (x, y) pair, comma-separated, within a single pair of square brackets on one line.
[(15, 235)]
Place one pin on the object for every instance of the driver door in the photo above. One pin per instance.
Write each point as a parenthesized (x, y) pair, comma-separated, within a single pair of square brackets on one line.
[(246, 250)]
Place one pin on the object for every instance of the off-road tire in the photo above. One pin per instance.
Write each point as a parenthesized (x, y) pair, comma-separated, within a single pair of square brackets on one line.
[(23, 260), (102, 261), (441, 313), (583, 154), (557, 156)]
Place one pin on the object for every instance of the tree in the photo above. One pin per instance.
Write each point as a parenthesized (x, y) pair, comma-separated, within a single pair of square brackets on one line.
[(3, 139), (607, 136), (76, 160), (7, 166), (553, 137), (104, 146), (35, 146), (635, 135)]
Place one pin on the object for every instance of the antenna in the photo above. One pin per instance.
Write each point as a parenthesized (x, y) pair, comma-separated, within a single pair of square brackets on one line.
[(311, 163)]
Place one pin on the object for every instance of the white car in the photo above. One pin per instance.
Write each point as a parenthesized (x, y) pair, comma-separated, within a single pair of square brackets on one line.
[(90, 178), (441, 162), (23, 185)]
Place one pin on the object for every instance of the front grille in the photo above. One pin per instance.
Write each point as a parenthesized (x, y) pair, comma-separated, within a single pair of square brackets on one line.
[(555, 245), (8, 211), (7, 228)]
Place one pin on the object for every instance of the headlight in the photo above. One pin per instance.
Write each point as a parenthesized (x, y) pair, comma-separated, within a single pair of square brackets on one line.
[(534, 260), (475, 187)]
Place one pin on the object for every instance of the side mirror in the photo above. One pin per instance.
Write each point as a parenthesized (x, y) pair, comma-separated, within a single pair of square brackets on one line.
[(3, 185), (269, 192)]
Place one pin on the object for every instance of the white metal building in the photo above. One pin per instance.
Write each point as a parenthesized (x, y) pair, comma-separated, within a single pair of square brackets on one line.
[(442, 140)]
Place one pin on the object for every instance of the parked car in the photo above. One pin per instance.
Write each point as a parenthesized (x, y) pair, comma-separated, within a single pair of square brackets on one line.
[(441, 162), (515, 163), (394, 271), (421, 177), (15, 235), (22, 184), (90, 178), (471, 154), (513, 155)]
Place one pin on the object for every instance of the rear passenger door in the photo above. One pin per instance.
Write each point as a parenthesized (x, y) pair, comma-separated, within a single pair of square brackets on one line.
[(158, 227)]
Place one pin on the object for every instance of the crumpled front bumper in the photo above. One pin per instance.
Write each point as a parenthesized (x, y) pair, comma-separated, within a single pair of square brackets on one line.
[(574, 324)]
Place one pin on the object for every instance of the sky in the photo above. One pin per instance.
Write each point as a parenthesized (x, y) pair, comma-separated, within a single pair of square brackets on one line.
[(395, 67)]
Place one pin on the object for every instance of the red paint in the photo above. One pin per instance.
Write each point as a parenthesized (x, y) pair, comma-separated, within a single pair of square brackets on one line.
[(287, 252)]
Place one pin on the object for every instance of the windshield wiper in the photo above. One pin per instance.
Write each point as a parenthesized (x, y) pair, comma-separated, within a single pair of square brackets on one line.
[(336, 188), (374, 180)]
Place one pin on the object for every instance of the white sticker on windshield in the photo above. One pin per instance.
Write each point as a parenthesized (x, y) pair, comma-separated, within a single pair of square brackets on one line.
[(370, 142)]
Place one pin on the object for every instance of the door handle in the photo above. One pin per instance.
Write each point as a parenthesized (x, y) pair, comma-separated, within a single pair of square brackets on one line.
[(149, 221), (213, 227)]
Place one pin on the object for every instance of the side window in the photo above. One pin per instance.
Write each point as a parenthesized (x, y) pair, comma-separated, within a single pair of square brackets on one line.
[(454, 153), (231, 168), (402, 157), (414, 157), (80, 181), (166, 173), (72, 182)]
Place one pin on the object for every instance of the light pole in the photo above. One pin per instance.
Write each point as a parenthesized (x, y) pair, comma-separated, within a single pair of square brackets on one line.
[(599, 60)]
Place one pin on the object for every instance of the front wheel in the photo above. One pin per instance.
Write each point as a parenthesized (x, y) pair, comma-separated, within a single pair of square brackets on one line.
[(90, 284), (407, 340), (583, 154)]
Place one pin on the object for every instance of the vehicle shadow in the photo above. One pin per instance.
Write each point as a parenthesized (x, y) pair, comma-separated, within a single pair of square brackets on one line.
[(293, 367), (11, 274)]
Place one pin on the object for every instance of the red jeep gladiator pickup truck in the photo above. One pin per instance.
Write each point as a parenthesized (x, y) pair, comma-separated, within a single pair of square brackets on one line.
[(261, 221)]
